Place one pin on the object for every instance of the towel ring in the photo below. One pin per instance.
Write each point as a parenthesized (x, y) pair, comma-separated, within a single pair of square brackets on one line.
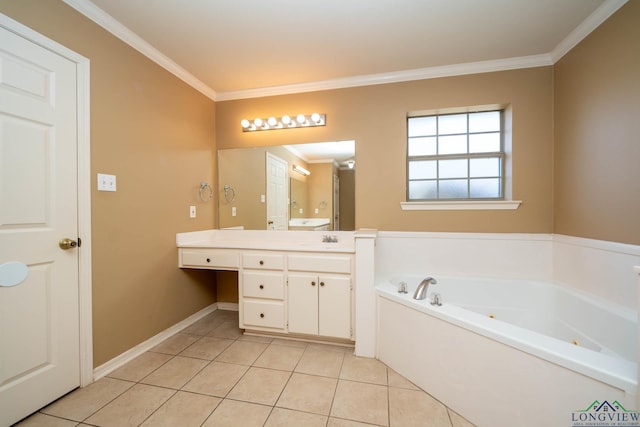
[(229, 193), (205, 192)]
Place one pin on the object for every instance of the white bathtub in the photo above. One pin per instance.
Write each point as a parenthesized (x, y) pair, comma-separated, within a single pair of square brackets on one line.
[(509, 352)]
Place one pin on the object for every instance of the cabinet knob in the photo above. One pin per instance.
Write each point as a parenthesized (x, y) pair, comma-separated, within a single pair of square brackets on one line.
[(261, 314), (261, 262), (313, 283), (321, 283), (208, 259), (261, 286)]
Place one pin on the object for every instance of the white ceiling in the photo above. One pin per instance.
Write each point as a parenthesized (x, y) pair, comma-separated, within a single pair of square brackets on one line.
[(231, 49)]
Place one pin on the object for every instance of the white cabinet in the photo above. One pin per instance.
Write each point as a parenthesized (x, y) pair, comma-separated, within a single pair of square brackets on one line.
[(214, 259), (262, 295), (320, 300), (320, 304), (286, 292)]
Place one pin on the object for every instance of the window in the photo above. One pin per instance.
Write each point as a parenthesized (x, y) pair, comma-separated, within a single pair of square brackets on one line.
[(456, 157)]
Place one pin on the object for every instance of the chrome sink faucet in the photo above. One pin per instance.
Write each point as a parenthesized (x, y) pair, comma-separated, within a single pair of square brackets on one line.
[(421, 290)]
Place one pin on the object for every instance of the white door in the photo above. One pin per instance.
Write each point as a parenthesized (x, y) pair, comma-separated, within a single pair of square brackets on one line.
[(39, 318), (277, 193), (336, 202)]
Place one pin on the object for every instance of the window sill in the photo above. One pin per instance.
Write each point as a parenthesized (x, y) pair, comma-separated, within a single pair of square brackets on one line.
[(467, 205)]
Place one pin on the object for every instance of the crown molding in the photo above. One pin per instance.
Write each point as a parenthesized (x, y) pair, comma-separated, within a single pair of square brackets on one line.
[(593, 21), (91, 11), (107, 22), (393, 77)]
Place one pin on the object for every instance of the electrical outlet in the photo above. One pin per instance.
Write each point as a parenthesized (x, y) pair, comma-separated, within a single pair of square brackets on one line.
[(106, 182), (192, 211)]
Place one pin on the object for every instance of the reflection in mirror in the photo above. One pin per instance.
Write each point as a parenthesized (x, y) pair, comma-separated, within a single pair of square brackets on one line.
[(323, 199)]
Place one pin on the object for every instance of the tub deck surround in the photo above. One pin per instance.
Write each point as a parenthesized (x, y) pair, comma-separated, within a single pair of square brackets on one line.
[(571, 329)]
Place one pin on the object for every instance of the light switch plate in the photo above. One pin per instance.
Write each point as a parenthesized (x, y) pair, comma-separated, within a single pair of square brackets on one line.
[(106, 182), (192, 211)]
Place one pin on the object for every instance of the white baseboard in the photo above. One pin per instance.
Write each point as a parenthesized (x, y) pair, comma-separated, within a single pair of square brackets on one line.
[(118, 361), (230, 306)]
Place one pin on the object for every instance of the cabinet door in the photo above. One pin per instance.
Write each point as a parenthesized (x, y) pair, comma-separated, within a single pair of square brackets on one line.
[(303, 303), (334, 306)]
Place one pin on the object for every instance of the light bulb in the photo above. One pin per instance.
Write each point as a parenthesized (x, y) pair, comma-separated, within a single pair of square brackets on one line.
[(301, 119), (286, 120), (258, 122), (272, 121), (245, 123), (315, 117)]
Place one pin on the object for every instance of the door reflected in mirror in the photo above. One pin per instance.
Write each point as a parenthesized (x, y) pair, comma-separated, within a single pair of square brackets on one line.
[(320, 194)]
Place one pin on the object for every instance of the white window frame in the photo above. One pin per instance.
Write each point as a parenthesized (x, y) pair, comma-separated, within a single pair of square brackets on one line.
[(506, 203)]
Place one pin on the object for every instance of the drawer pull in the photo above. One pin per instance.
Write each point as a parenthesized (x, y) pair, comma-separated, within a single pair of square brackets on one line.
[(261, 262), (261, 286), (208, 259), (313, 283), (261, 314), (321, 283)]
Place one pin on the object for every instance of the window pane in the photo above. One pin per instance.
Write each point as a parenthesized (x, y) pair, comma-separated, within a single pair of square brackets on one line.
[(484, 122), (484, 167), (422, 190), (453, 168), (485, 188), (422, 126), (456, 144), (484, 143), (454, 189), (455, 123), (423, 169), (425, 146)]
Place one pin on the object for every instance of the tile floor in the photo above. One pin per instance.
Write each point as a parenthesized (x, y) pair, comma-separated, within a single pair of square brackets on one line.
[(210, 374)]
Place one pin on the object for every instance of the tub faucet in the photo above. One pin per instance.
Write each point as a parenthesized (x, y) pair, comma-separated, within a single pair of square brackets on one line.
[(421, 290)]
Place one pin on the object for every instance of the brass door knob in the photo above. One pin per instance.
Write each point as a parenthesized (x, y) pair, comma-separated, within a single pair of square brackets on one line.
[(66, 244)]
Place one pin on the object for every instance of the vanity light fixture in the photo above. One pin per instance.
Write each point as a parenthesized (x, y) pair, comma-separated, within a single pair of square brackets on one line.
[(284, 122), (301, 170), (351, 164)]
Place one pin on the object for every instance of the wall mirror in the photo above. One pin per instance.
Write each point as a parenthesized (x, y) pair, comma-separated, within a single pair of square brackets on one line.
[(289, 187)]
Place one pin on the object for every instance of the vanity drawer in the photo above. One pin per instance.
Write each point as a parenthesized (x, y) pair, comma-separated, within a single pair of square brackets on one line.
[(320, 263), (263, 260), (263, 285), (266, 314), (210, 258)]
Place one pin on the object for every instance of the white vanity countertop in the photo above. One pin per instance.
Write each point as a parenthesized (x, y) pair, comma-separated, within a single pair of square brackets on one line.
[(309, 222), (309, 241)]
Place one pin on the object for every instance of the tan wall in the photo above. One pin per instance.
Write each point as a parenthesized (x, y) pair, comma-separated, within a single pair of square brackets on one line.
[(375, 117), (347, 206), (597, 133), (156, 135), (321, 191)]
